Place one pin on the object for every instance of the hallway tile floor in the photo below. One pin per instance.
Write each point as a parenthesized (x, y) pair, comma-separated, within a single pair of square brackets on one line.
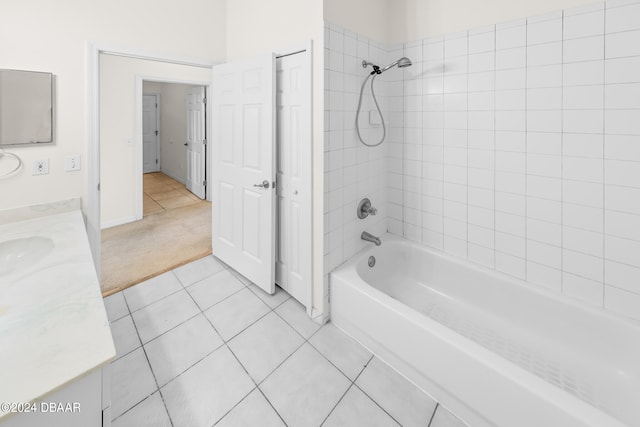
[(201, 346), (162, 192)]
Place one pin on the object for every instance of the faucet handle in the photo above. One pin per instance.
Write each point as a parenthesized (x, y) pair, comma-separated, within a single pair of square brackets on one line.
[(365, 209)]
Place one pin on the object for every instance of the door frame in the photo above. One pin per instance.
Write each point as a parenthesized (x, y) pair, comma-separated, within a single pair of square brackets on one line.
[(92, 107), (138, 137), (157, 95)]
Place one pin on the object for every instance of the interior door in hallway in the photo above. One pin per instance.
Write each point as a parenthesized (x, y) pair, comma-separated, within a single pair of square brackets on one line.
[(243, 168), (294, 255), (150, 142), (196, 141)]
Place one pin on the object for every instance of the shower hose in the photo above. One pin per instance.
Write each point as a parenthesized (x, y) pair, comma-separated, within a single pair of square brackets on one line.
[(373, 95)]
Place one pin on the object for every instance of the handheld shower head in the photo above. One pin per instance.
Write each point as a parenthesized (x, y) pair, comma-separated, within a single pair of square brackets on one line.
[(404, 62), (401, 63)]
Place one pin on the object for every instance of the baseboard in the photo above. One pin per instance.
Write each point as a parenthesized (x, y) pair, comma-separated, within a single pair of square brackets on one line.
[(172, 175), (119, 221)]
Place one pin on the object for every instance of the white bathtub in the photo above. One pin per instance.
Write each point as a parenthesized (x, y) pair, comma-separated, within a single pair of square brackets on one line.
[(493, 350)]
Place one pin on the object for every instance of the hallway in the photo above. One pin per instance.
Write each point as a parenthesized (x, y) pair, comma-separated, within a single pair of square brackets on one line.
[(175, 230)]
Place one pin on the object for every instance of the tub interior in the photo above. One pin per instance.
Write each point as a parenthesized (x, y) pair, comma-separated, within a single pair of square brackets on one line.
[(585, 352)]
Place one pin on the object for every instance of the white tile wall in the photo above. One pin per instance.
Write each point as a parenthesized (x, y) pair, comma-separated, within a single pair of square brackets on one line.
[(515, 146), (353, 171)]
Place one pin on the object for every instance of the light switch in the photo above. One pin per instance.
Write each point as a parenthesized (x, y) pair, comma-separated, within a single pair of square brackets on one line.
[(72, 163)]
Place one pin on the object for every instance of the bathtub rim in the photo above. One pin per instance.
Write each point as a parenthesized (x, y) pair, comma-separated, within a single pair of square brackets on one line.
[(543, 390), (539, 290)]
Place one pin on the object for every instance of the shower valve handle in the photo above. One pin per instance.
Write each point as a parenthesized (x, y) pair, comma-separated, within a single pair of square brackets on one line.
[(365, 209)]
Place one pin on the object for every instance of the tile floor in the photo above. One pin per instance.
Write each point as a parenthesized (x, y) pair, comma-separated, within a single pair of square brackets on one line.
[(162, 192), (201, 346)]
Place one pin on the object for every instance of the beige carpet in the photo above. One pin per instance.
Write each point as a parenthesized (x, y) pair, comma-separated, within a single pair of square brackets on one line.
[(134, 252)]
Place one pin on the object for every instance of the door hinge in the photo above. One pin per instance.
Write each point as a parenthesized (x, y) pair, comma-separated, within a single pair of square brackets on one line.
[(156, 133), (204, 100), (156, 161), (204, 182), (204, 141)]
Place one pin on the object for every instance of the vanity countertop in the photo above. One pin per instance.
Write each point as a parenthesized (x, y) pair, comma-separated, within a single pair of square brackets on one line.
[(53, 324)]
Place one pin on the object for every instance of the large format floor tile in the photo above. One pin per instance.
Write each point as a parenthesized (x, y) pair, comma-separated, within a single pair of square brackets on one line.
[(116, 306), (294, 314), (272, 301), (213, 289), (177, 350), (206, 337), (151, 290), (264, 345), (305, 388), (402, 400), (125, 336), (341, 350), (444, 418), (207, 391), (148, 413), (254, 410), (159, 317), (195, 271), (357, 409), (131, 382), (235, 313)]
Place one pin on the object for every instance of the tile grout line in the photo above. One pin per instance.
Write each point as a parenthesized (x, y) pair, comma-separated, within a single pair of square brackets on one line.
[(604, 151), (146, 356), (225, 343), (433, 415), (372, 399), (158, 388), (562, 195)]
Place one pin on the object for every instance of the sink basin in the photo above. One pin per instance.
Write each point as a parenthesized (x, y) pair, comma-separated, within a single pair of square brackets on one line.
[(18, 254)]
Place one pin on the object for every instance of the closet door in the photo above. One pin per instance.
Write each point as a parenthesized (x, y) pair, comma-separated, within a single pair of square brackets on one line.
[(293, 101)]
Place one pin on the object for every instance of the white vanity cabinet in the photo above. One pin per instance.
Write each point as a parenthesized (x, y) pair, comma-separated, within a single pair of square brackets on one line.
[(55, 339), (79, 404)]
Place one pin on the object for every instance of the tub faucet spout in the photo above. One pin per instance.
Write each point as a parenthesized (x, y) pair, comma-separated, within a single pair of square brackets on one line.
[(370, 238)]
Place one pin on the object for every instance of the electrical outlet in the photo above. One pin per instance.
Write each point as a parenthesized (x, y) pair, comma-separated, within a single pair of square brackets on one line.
[(40, 167), (72, 163)]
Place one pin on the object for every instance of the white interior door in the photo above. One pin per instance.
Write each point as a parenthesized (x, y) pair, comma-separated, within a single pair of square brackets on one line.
[(150, 145), (243, 168), (196, 141), (293, 259)]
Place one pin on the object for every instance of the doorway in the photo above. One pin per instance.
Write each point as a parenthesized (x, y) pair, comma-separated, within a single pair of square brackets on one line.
[(144, 246), (174, 133)]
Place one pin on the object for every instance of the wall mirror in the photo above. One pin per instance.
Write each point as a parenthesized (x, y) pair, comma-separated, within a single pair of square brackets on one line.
[(26, 107)]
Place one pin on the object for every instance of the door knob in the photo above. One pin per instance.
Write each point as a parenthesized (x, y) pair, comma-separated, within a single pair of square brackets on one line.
[(265, 184), (186, 144)]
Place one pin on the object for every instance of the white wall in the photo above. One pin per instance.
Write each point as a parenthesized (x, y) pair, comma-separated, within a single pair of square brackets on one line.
[(257, 26), (353, 171), (41, 35), (173, 127), (370, 18), (118, 132), (399, 21), (418, 19)]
